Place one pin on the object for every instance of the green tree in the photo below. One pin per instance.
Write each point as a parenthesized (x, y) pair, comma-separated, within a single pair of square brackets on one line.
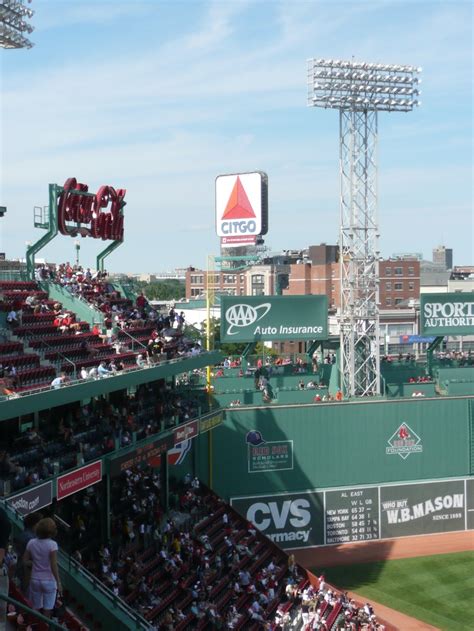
[(164, 290)]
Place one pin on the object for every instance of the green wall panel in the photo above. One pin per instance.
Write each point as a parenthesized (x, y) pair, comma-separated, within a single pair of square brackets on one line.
[(341, 445)]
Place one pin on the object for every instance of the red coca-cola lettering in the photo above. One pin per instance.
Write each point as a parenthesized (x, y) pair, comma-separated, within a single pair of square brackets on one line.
[(100, 215)]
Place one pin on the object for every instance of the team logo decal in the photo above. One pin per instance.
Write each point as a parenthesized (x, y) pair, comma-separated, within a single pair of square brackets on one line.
[(404, 442)]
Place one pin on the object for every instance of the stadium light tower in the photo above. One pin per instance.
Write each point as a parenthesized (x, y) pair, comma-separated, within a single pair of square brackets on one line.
[(13, 24), (359, 90)]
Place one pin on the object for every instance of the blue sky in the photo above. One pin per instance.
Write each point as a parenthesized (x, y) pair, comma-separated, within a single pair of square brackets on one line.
[(160, 97)]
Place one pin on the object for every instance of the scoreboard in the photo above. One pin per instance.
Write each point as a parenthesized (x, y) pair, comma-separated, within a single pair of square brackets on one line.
[(351, 515), (361, 513)]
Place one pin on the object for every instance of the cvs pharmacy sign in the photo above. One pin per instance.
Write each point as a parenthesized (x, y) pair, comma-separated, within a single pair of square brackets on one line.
[(289, 520)]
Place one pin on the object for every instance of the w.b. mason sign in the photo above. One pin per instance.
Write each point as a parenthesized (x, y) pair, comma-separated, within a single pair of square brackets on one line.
[(270, 318), (447, 314)]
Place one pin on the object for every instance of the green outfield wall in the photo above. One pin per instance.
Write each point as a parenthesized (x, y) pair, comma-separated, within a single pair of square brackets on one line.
[(291, 448)]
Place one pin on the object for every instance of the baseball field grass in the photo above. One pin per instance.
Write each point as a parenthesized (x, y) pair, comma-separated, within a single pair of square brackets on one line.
[(435, 589)]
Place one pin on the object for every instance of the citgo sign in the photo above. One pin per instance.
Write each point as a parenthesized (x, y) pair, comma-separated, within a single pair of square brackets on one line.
[(241, 207), (252, 318), (447, 314)]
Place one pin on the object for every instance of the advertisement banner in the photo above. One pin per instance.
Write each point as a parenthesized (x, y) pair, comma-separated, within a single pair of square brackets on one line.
[(447, 314), (141, 456), (209, 422), (291, 520), (421, 509), (470, 504), (271, 318), (185, 432), (32, 500), (238, 242), (268, 455), (79, 479), (241, 205)]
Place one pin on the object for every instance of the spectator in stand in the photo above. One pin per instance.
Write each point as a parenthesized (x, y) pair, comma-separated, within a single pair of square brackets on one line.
[(20, 542), (41, 555), (12, 318)]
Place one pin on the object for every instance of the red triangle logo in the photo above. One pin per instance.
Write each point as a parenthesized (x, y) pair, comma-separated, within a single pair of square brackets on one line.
[(238, 206)]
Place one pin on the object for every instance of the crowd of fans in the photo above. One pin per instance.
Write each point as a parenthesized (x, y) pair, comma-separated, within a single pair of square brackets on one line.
[(198, 563), (134, 331), (84, 433)]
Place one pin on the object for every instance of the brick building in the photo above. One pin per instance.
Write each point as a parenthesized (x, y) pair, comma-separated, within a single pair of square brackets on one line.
[(319, 273)]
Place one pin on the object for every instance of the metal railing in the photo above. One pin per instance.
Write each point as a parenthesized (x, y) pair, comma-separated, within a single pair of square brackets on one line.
[(76, 382), (96, 585), (54, 350), (134, 339), (32, 612)]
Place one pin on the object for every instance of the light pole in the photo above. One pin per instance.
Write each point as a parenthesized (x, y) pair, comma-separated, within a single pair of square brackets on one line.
[(359, 90), (77, 245), (13, 24)]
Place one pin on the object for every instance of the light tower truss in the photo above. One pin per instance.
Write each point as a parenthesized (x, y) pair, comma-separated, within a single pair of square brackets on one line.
[(359, 90), (14, 16)]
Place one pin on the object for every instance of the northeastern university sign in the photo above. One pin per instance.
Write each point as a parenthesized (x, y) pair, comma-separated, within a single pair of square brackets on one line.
[(253, 318), (447, 314)]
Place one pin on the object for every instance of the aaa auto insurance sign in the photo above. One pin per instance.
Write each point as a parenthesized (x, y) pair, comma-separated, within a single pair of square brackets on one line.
[(447, 314), (241, 207), (270, 318)]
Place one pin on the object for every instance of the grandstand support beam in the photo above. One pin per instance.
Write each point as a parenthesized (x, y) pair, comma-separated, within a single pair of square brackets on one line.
[(248, 350), (105, 253), (359, 254), (436, 343), (32, 250)]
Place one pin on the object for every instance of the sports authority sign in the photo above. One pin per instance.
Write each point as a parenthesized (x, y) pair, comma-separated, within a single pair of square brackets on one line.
[(241, 208), (79, 479), (447, 314), (253, 318)]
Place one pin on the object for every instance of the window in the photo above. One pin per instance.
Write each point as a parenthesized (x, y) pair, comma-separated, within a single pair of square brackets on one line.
[(333, 288), (399, 271), (242, 292), (403, 328), (258, 285), (230, 279), (242, 278), (411, 285), (213, 279), (196, 291), (398, 301), (388, 271), (388, 285), (398, 287), (197, 279), (411, 271), (388, 301)]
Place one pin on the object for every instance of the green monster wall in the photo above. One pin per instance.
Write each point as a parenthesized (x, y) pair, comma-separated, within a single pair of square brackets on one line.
[(291, 448)]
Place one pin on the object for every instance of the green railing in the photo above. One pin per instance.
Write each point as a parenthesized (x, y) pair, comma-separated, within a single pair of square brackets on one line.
[(39, 616)]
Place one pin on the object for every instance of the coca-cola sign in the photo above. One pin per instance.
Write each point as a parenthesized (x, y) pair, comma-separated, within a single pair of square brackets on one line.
[(98, 216)]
